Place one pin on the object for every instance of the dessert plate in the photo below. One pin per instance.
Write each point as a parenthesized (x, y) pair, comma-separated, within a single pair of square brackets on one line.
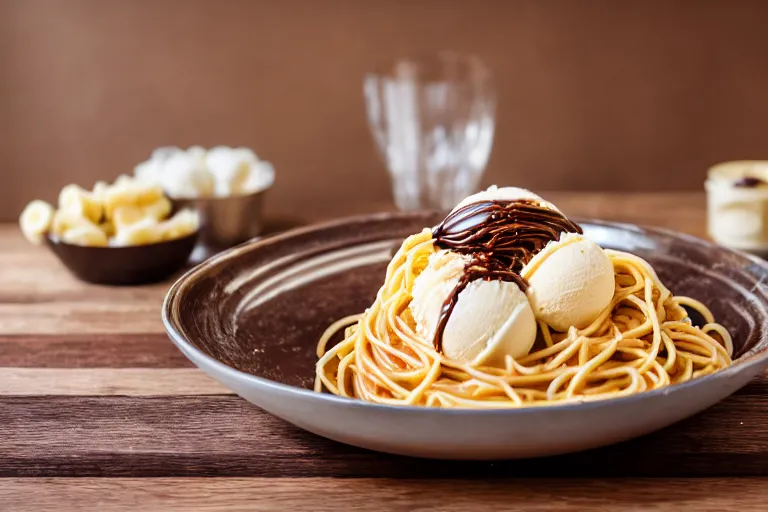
[(251, 317)]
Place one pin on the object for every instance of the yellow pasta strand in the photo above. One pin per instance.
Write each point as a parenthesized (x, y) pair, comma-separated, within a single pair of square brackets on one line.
[(641, 341)]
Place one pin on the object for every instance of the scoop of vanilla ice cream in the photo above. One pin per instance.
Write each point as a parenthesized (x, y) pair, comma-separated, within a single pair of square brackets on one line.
[(494, 193), (491, 319), (432, 286), (571, 282)]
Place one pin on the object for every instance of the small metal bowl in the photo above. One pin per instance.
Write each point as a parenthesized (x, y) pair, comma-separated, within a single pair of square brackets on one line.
[(226, 221), (130, 265)]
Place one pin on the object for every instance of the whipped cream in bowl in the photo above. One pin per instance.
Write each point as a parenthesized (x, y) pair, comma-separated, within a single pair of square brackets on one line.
[(221, 171), (226, 185)]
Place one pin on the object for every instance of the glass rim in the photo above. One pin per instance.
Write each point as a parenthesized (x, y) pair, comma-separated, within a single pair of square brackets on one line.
[(467, 67)]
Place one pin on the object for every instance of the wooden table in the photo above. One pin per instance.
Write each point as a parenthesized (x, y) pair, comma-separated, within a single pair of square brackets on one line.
[(94, 399)]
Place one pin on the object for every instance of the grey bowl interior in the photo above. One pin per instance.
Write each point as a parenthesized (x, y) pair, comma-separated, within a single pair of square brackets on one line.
[(260, 308), (251, 317)]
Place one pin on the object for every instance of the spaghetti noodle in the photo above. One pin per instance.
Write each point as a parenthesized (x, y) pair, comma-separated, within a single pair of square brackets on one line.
[(643, 340)]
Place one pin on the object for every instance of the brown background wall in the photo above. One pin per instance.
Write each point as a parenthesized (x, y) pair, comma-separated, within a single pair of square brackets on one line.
[(593, 94)]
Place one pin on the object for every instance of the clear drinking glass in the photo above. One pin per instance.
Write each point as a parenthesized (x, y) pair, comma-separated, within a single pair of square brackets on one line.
[(433, 120)]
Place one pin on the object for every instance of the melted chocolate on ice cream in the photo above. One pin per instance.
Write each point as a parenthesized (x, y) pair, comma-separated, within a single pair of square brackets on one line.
[(500, 237)]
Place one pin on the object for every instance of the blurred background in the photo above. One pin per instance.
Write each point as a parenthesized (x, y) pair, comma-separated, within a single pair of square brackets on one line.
[(592, 94)]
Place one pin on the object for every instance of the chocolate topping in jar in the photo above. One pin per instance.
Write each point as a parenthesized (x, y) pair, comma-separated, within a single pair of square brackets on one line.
[(748, 182), (501, 237)]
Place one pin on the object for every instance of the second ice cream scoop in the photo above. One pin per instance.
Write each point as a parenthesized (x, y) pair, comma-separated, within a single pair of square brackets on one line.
[(571, 281), (490, 320)]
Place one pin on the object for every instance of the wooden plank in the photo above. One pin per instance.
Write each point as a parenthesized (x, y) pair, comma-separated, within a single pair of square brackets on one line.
[(81, 309), (121, 350), (84, 316), (328, 494), (38, 296), (226, 436), (107, 381)]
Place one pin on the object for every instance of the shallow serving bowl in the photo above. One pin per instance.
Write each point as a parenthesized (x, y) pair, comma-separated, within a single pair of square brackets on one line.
[(251, 317)]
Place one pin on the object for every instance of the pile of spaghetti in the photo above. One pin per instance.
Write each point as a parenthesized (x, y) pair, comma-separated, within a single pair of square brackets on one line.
[(643, 341)]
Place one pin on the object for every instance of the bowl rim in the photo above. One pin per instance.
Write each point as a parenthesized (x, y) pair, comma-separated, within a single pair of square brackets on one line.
[(200, 358), (386, 68), (50, 239), (220, 199)]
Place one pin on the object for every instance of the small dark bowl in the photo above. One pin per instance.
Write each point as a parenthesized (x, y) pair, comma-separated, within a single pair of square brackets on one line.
[(131, 265)]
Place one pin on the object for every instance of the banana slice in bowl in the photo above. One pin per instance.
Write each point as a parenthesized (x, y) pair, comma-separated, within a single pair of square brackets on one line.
[(124, 233)]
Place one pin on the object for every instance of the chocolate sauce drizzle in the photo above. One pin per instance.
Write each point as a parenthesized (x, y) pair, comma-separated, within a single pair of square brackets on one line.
[(748, 182), (501, 237)]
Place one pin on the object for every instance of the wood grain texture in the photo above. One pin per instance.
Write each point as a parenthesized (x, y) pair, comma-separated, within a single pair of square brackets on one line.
[(121, 350), (226, 436), (39, 296), (107, 381), (324, 494)]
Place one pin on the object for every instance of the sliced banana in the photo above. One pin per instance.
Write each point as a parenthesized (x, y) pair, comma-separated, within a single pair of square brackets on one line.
[(184, 223), (149, 193), (100, 190), (86, 234), (129, 212), (64, 220), (36, 220), (108, 228), (146, 231), (77, 200), (159, 209), (117, 196), (134, 192), (69, 196), (127, 215)]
